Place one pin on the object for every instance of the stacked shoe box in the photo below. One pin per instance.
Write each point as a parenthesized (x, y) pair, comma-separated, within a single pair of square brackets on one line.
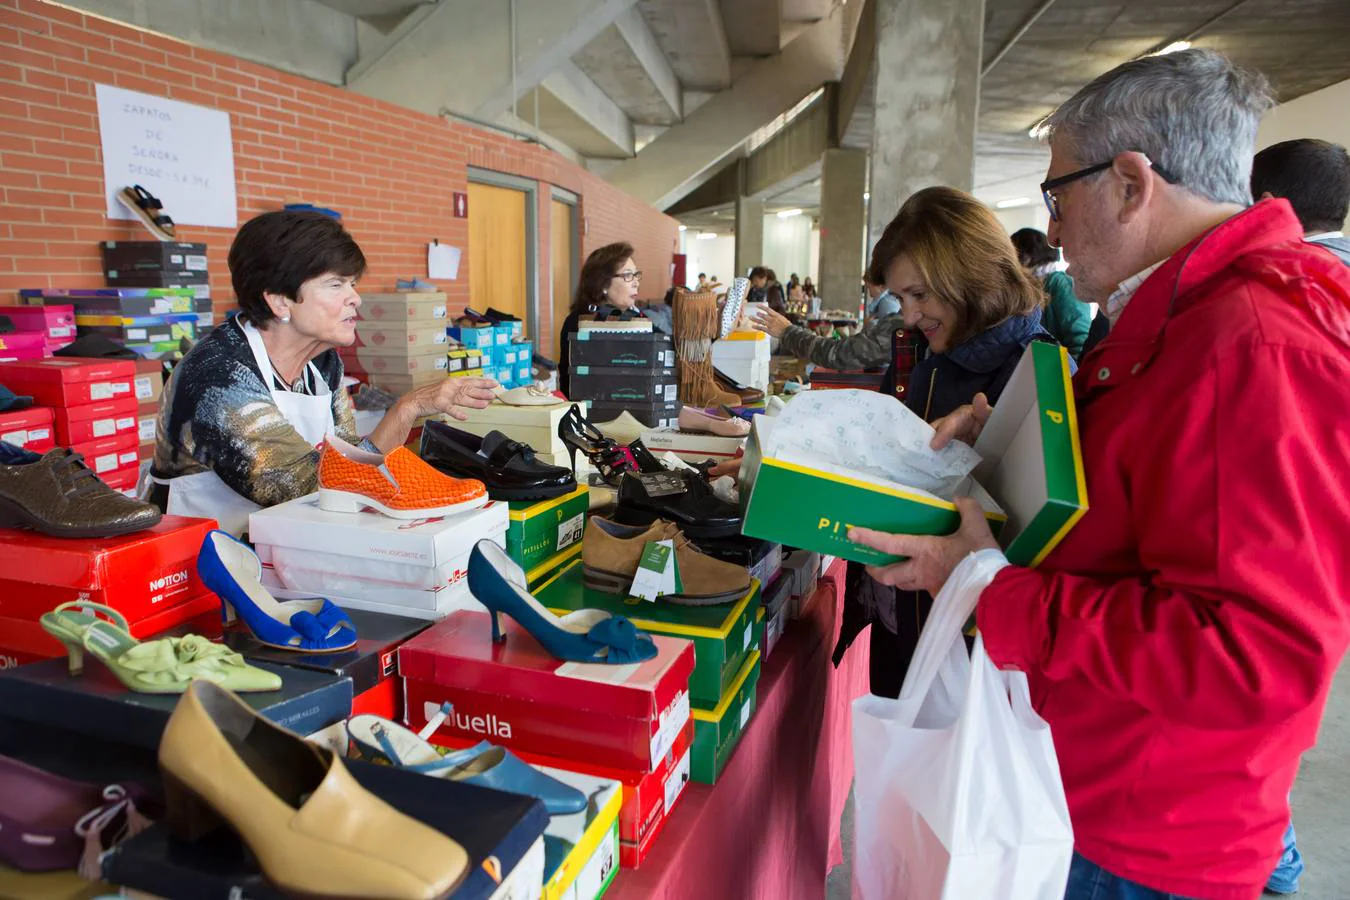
[(401, 341), (368, 561), (632, 726), (545, 535), (476, 348), (148, 321), (150, 577), (726, 652), (39, 331), (94, 410), (743, 356), (626, 371), (149, 391), (536, 426), (160, 264)]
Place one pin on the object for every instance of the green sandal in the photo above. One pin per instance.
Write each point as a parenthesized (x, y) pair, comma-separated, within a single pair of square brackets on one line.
[(162, 666)]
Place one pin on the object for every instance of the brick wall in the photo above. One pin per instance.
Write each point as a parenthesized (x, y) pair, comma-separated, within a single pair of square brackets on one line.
[(389, 170)]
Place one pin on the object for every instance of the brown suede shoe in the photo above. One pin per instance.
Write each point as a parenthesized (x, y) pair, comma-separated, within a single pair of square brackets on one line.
[(748, 395), (57, 494), (610, 553)]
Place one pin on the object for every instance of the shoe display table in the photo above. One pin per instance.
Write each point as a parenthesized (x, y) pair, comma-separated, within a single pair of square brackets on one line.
[(770, 827)]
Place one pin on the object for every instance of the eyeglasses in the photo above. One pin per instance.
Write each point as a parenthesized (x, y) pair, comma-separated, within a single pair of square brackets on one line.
[(1052, 202), (629, 276)]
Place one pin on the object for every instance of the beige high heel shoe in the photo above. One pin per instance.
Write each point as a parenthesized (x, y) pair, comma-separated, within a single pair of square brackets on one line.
[(313, 829)]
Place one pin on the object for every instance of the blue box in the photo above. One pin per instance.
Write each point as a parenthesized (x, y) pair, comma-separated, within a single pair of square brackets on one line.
[(473, 338), (526, 351), (525, 374), (512, 328), (510, 355)]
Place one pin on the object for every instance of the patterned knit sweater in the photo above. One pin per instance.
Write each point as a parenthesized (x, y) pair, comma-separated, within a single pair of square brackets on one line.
[(217, 414)]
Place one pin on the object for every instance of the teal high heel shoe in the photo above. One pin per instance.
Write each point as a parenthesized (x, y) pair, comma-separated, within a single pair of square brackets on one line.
[(587, 635)]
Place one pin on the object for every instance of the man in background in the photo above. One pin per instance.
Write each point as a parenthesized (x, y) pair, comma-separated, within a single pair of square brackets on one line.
[(1314, 176)]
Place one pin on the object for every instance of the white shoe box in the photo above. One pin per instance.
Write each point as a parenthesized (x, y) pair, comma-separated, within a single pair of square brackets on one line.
[(369, 561), (536, 426), (746, 362), (692, 448)]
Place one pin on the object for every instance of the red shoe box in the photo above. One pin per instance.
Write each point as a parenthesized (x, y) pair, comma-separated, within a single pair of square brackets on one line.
[(384, 699), (22, 345), (30, 428), (518, 695), (56, 324), (95, 421), (123, 479), (25, 641), (648, 797), (107, 455), (136, 574), (69, 382)]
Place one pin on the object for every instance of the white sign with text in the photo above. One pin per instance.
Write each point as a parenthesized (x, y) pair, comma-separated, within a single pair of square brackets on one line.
[(180, 152)]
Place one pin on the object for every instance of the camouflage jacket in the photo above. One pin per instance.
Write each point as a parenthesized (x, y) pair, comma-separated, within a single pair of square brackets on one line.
[(869, 348)]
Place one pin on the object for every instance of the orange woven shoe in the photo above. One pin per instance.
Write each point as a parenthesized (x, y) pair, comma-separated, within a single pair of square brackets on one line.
[(399, 485)]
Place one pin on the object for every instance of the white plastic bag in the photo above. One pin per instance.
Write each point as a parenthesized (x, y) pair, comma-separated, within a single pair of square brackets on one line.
[(958, 792)]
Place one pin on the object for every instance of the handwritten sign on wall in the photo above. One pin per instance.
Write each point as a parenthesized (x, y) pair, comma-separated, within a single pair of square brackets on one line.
[(180, 152)]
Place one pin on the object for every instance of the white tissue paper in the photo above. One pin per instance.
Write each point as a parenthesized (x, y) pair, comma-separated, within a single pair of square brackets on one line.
[(864, 433)]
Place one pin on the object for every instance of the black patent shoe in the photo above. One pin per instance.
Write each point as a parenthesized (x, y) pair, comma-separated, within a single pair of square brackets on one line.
[(507, 468), (608, 458), (681, 497)]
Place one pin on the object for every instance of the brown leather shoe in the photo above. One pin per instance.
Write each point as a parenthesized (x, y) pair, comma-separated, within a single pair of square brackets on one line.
[(749, 396), (313, 829), (57, 494), (610, 553)]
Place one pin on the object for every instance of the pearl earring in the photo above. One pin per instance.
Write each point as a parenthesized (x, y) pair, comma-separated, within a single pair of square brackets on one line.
[(285, 319)]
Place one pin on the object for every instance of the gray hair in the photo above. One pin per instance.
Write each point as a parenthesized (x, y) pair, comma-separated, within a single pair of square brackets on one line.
[(1193, 112)]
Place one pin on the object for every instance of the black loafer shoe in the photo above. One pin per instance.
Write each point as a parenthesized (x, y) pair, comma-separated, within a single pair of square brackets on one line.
[(696, 509), (508, 468)]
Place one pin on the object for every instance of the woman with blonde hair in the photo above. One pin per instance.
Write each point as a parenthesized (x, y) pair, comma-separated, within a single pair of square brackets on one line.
[(953, 268)]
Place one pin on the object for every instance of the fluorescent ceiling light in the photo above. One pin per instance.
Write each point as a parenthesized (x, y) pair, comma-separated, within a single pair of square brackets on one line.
[(1174, 47), (707, 235), (789, 213), (684, 227), (1015, 201)]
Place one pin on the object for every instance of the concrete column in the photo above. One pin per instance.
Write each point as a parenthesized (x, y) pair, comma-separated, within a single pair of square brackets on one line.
[(749, 234), (927, 74), (843, 226)]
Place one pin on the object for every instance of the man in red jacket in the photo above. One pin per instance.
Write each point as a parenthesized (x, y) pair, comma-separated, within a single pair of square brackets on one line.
[(1182, 638)]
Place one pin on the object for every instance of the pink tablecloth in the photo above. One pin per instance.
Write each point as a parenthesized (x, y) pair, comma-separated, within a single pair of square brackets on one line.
[(770, 827)]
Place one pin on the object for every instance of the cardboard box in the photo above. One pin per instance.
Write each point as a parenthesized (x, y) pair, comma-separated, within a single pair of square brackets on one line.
[(147, 419), (548, 568), (691, 447), (24, 637), (154, 256), (717, 731), (411, 337), (106, 455), (420, 307), (518, 695), (376, 361), (462, 358), (22, 345), (582, 849), (653, 415), (542, 529), (813, 508), (609, 385), (399, 385), (57, 323), (536, 426), (165, 278), (723, 635), (148, 385), (648, 795), (339, 577), (373, 660), (301, 525), (127, 301), (96, 704), (95, 421), (447, 601), (69, 381), (1032, 473), (136, 574), (32, 428), (642, 351)]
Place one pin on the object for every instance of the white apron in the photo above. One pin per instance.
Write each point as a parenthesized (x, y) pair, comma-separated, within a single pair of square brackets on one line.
[(204, 495)]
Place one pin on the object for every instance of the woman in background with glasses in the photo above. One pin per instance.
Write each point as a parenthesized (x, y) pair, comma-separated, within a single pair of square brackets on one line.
[(608, 286)]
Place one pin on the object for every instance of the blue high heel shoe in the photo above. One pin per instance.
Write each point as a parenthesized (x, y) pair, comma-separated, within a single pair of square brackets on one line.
[(483, 764), (587, 635), (231, 569)]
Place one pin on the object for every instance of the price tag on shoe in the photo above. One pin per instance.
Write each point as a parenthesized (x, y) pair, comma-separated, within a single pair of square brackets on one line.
[(658, 572)]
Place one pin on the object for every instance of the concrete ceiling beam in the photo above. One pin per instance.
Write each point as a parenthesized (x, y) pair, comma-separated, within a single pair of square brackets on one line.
[(628, 65), (456, 55), (593, 108), (692, 37), (633, 27), (754, 27)]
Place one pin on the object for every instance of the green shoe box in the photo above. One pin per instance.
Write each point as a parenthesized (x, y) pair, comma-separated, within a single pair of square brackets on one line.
[(717, 731), (723, 635), (540, 530), (550, 567)]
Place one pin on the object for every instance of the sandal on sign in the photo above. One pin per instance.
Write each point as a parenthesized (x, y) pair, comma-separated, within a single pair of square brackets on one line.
[(147, 208)]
